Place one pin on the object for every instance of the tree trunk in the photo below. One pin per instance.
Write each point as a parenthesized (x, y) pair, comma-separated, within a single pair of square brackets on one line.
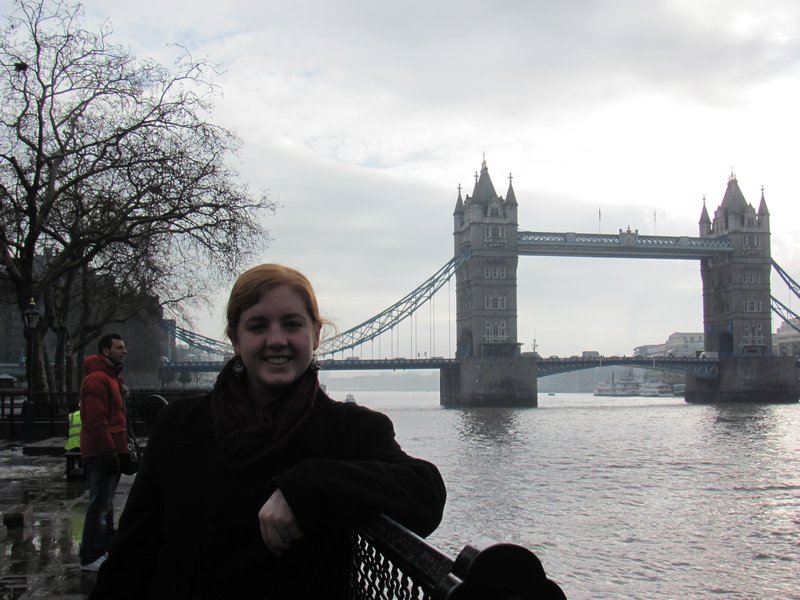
[(61, 328), (69, 370)]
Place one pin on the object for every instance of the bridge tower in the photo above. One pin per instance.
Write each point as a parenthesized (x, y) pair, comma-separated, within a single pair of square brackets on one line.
[(736, 290), (491, 369), (737, 308), (486, 286)]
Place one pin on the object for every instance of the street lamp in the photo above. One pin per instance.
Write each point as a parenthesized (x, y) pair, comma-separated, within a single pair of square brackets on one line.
[(31, 317)]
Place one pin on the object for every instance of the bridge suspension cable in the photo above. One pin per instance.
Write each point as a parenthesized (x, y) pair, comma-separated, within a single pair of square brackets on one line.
[(390, 317), (784, 312), (778, 307), (793, 285), (197, 341)]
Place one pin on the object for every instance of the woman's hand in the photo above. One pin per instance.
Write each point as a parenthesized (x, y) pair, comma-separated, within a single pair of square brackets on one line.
[(278, 525)]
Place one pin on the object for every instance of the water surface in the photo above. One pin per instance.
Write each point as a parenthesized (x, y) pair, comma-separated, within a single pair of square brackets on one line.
[(620, 497)]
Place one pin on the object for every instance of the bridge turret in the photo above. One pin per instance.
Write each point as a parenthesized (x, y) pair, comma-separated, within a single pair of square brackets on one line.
[(458, 211), (734, 211), (705, 221), (484, 188), (763, 213), (511, 197), (510, 204)]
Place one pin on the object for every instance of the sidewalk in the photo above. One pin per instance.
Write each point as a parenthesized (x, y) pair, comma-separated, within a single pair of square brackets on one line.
[(40, 560)]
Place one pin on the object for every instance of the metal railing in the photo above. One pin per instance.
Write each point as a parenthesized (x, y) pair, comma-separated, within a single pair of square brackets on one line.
[(37, 416), (34, 415), (392, 563)]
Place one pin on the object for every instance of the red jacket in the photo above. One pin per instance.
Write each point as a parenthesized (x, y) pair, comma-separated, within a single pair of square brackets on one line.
[(103, 429)]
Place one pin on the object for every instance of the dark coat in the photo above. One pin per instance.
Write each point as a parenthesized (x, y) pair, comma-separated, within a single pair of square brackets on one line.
[(190, 527), (103, 428)]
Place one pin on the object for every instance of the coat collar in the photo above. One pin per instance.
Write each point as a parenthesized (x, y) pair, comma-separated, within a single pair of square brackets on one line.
[(198, 420)]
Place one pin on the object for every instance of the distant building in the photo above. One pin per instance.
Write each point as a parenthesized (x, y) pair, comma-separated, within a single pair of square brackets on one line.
[(678, 344), (786, 340), (12, 340), (684, 344), (649, 350)]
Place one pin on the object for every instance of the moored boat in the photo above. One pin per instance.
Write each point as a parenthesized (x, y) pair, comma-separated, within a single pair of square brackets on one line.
[(624, 385), (655, 388)]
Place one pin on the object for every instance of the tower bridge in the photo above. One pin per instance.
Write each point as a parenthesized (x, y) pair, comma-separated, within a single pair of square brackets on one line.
[(735, 264), (489, 367)]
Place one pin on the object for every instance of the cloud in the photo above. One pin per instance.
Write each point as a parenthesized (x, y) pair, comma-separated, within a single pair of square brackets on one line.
[(362, 118)]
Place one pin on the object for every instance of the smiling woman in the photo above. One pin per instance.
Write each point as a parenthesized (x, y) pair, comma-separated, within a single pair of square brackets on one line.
[(277, 336), (246, 491)]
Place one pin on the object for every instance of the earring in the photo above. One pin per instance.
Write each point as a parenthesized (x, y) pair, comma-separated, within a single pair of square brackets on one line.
[(238, 367)]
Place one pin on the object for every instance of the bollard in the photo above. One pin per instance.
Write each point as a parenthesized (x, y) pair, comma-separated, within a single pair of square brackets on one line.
[(27, 418)]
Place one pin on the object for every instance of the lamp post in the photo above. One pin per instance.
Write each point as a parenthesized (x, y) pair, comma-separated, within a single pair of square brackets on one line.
[(31, 317)]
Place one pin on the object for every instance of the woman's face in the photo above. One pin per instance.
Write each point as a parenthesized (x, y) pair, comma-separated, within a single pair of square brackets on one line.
[(276, 338)]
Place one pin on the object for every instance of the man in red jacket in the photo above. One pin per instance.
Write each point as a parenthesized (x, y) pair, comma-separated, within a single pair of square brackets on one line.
[(104, 437)]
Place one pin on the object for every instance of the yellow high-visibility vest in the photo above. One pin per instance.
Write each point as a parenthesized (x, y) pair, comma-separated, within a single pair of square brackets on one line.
[(74, 435)]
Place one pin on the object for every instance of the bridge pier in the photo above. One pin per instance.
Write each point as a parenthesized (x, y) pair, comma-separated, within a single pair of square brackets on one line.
[(490, 381), (747, 379)]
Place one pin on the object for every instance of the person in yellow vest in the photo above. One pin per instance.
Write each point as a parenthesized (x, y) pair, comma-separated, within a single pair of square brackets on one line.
[(74, 431)]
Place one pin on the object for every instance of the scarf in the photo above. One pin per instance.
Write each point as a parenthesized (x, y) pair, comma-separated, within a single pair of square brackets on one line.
[(247, 440)]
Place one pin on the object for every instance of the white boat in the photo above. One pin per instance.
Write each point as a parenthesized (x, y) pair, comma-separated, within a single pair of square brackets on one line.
[(624, 385), (350, 398), (655, 388)]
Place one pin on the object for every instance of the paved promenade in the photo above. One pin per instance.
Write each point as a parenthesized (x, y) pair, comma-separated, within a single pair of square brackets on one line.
[(40, 559)]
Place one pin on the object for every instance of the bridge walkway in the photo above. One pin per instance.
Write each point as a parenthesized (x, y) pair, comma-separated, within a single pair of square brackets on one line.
[(700, 367)]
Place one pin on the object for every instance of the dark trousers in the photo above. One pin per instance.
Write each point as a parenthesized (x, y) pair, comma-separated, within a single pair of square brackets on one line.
[(102, 472)]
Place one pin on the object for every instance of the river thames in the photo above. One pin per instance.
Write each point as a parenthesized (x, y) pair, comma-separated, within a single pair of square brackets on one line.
[(620, 497)]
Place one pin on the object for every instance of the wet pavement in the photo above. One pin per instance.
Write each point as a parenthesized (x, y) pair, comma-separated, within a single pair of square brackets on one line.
[(40, 559)]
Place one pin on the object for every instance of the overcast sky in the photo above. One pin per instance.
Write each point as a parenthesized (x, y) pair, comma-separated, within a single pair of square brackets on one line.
[(361, 118)]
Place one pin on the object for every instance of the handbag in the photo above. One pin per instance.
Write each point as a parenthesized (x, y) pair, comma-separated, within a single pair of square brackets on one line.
[(129, 463)]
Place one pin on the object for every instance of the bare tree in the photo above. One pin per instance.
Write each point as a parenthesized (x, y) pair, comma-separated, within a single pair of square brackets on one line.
[(103, 157)]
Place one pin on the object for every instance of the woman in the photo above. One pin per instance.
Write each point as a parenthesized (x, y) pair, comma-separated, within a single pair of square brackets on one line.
[(248, 492)]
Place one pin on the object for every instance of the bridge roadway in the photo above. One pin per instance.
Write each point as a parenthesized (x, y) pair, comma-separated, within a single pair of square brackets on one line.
[(700, 367)]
